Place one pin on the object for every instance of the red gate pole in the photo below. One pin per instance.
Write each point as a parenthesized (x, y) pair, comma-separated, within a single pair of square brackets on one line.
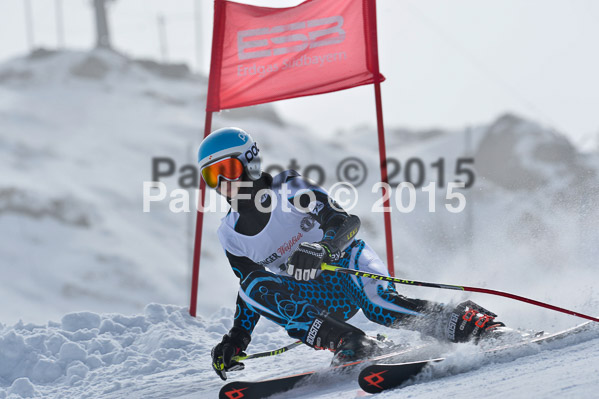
[(374, 60), (197, 250), (212, 104), (384, 177)]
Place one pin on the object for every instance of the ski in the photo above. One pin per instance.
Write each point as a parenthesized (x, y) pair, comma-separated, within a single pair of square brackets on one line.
[(265, 388), (378, 377), (260, 389)]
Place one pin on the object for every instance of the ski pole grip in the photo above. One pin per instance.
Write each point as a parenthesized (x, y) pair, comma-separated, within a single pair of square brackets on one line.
[(331, 268)]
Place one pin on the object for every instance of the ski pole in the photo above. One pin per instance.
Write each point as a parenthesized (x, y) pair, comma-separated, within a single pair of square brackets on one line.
[(454, 287), (267, 353)]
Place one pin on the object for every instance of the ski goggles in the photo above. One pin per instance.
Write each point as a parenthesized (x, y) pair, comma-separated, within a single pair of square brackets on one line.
[(229, 168)]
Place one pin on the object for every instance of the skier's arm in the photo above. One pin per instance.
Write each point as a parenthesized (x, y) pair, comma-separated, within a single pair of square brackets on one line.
[(239, 336), (245, 318), (242, 266), (338, 226), (339, 230)]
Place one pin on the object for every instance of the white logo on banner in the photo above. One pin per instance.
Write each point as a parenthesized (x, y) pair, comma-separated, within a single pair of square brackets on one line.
[(268, 47)]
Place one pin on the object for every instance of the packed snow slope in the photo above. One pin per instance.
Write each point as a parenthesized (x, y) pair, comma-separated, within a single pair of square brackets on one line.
[(78, 133), (164, 353)]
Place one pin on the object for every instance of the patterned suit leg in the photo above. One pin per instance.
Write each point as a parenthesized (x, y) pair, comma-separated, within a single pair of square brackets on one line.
[(294, 304), (381, 303)]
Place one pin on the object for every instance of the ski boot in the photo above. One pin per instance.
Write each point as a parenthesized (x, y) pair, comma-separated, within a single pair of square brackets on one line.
[(349, 343), (355, 347), (471, 322)]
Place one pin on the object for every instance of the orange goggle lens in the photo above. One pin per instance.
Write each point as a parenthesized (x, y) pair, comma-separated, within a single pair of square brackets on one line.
[(229, 168)]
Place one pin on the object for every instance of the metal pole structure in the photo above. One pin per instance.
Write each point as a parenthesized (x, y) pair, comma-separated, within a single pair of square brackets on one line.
[(102, 31), (162, 38), (198, 35), (59, 24), (29, 24)]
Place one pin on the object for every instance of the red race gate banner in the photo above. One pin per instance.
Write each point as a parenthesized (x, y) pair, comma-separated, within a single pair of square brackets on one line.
[(265, 54)]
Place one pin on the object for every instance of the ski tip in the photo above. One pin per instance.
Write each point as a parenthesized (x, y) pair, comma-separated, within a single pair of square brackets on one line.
[(232, 390), (380, 377)]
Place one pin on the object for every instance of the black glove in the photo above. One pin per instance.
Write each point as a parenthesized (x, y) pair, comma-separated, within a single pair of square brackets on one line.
[(470, 321), (304, 263), (233, 344)]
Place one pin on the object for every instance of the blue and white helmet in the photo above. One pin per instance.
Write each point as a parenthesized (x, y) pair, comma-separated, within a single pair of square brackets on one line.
[(231, 142)]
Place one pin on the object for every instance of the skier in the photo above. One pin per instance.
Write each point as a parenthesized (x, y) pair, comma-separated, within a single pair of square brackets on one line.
[(276, 236)]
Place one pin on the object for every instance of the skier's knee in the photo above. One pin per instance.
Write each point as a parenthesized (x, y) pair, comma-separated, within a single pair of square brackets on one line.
[(386, 319)]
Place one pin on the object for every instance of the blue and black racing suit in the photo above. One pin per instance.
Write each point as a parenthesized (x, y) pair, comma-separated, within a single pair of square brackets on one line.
[(258, 244)]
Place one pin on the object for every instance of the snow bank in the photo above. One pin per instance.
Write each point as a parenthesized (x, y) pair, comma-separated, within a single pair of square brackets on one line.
[(162, 353), (165, 353), (87, 354)]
